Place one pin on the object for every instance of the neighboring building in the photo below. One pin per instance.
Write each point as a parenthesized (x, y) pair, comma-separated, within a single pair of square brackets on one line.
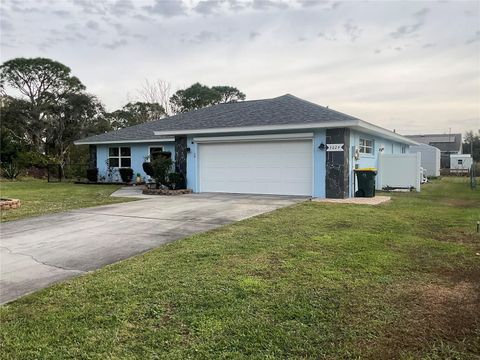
[(447, 143), (461, 163), (283, 145), (430, 160)]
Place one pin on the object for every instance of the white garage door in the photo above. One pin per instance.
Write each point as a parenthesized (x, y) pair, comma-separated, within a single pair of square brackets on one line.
[(269, 167)]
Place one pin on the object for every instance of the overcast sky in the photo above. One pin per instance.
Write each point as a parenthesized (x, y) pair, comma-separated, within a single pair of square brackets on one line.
[(413, 66)]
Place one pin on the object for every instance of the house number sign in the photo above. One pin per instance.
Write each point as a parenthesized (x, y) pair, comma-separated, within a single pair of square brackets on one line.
[(335, 147)]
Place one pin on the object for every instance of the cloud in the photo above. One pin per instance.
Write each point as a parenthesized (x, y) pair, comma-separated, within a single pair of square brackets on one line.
[(422, 12), (475, 38), (205, 36), (23, 10), (90, 6), (208, 7), (122, 7), (115, 44), (352, 30), (336, 5), (140, 17), (311, 3), (268, 4), (236, 5), (5, 25), (406, 30), (253, 35), (61, 13), (330, 36), (428, 45), (167, 8), (140, 36), (120, 29), (93, 25)]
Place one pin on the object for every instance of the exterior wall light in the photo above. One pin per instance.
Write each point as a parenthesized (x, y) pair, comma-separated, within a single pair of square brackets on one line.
[(321, 146)]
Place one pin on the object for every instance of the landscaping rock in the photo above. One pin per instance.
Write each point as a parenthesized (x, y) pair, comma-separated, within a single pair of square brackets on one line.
[(166, 192), (7, 204)]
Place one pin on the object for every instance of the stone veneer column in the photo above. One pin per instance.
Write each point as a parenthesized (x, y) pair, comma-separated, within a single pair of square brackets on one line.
[(337, 162), (181, 155), (93, 156)]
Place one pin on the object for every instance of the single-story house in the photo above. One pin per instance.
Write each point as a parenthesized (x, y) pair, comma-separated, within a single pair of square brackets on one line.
[(449, 144), (284, 145)]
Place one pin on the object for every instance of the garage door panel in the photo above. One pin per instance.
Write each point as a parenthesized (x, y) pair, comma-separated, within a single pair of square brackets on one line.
[(274, 167)]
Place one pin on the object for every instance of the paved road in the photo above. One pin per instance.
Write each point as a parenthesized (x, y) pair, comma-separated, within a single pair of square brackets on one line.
[(39, 251)]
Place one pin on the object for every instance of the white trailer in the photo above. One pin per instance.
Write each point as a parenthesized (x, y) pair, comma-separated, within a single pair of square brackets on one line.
[(430, 158), (460, 163)]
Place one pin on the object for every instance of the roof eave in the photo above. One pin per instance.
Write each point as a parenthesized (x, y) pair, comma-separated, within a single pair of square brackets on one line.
[(356, 124), (97, 142)]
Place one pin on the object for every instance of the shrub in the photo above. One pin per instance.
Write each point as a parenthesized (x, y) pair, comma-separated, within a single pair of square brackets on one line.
[(10, 170), (92, 174), (148, 168), (176, 180), (161, 169), (126, 174), (32, 158)]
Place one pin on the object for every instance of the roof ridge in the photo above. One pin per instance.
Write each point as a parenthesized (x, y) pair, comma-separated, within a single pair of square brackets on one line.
[(318, 105)]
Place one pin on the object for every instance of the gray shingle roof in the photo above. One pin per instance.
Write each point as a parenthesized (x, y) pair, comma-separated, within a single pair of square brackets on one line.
[(444, 142), (282, 110)]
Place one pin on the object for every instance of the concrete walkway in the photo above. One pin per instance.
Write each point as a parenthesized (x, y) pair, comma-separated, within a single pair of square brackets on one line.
[(39, 251)]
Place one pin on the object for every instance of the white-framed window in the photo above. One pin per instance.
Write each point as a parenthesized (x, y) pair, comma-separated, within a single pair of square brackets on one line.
[(154, 152), (119, 157), (460, 162), (366, 146)]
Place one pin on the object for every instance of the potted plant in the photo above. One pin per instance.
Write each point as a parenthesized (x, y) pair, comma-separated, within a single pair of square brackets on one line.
[(126, 174), (138, 178), (92, 174), (176, 181)]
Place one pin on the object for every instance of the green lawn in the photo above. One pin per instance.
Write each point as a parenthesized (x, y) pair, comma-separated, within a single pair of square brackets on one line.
[(311, 281), (39, 197)]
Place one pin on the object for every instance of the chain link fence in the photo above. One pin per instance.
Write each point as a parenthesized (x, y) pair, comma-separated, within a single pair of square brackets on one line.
[(67, 172)]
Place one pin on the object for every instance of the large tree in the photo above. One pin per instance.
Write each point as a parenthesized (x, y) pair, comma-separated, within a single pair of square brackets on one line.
[(38, 82), (199, 96), (71, 117), (471, 144), (157, 92), (135, 113)]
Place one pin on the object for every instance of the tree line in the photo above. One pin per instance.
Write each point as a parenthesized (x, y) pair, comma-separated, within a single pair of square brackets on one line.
[(44, 109)]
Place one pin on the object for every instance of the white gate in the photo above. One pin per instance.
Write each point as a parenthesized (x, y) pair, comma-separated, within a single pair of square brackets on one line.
[(399, 171)]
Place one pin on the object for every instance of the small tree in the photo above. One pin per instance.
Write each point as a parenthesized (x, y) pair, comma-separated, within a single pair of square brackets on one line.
[(162, 166)]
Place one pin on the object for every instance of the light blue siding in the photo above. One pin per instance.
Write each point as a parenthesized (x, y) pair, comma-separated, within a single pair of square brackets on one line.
[(367, 160), (140, 150), (319, 159), (192, 178), (138, 153)]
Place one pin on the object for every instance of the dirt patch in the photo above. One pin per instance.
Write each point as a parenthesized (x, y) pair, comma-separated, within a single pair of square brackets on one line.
[(446, 310), (461, 236), (462, 203)]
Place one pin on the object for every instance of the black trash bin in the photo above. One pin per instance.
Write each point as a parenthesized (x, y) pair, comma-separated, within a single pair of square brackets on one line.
[(366, 182)]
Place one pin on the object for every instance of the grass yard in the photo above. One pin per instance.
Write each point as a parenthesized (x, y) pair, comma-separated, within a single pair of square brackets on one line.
[(312, 281), (39, 197)]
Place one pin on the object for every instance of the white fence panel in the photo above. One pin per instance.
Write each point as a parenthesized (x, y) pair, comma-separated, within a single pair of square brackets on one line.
[(399, 170)]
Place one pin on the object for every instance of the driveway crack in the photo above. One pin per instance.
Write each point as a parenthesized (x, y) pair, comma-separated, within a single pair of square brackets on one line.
[(39, 261)]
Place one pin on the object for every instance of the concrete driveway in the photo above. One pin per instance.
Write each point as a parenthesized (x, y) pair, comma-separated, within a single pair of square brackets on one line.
[(39, 251)]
